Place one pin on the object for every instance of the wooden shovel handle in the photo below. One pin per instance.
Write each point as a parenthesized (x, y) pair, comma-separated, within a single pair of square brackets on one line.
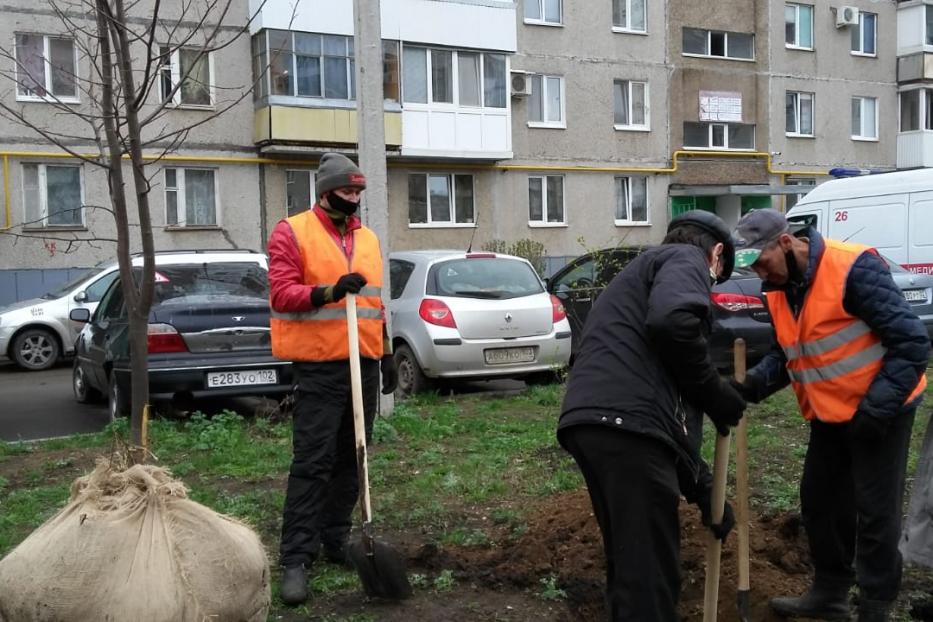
[(714, 544), (359, 423), (741, 476)]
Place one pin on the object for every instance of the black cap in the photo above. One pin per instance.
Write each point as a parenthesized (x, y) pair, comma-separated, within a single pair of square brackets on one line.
[(713, 224)]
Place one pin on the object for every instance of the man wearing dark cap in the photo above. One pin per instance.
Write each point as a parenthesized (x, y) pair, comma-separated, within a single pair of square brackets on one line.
[(633, 411), (316, 258), (855, 354)]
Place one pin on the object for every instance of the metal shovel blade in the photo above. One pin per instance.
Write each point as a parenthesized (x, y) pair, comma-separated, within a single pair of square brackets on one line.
[(382, 572)]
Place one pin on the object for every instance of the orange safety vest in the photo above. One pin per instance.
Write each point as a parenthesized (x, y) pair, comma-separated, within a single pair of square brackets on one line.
[(321, 333), (832, 357)]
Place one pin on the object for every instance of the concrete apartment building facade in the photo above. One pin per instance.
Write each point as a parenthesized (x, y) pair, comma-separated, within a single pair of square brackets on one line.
[(576, 124)]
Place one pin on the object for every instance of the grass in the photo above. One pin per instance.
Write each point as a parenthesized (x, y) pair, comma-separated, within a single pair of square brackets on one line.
[(456, 470)]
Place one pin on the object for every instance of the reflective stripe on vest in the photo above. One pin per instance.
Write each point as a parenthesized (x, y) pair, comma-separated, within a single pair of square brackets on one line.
[(832, 356), (320, 334)]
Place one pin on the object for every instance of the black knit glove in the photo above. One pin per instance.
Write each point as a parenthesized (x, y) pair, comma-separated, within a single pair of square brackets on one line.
[(720, 530), (350, 283), (389, 374), (867, 427), (726, 408)]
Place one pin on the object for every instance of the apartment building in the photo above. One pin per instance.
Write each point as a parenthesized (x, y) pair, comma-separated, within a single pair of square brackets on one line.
[(576, 124)]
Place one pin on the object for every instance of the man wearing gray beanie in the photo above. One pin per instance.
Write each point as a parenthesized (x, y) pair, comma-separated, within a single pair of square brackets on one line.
[(316, 258)]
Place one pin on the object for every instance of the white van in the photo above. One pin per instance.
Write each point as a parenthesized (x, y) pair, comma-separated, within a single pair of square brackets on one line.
[(892, 212)]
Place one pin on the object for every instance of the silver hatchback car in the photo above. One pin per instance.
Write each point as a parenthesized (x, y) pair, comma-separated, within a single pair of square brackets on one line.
[(472, 315)]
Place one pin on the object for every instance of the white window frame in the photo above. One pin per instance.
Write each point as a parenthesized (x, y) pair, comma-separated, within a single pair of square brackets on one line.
[(311, 173), (861, 36), (181, 207), (862, 137), (452, 204), (725, 56), (544, 203), (455, 77), (797, 98), (725, 135), (31, 223), (627, 28), (632, 127), (47, 60), (543, 21), (624, 183), (562, 123), (175, 69), (797, 8)]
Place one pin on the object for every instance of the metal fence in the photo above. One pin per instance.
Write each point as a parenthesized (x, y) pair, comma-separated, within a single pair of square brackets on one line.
[(16, 285)]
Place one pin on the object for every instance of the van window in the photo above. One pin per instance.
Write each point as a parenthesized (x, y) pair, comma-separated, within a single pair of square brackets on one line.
[(804, 221)]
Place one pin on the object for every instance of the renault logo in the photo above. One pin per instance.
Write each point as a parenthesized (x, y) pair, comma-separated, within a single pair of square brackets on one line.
[(508, 317)]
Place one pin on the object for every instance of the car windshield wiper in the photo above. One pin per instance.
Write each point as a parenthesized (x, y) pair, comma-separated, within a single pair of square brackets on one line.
[(475, 293)]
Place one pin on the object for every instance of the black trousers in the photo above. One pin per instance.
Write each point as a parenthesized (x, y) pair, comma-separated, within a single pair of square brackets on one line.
[(322, 481), (632, 481), (851, 495)]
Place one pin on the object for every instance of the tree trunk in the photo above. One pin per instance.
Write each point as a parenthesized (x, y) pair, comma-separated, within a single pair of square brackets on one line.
[(139, 383)]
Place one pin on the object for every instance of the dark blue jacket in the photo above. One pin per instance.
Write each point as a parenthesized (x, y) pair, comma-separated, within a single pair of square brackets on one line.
[(872, 296)]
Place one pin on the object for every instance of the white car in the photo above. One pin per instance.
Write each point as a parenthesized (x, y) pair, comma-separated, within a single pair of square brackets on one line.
[(472, 315), (36, 333)]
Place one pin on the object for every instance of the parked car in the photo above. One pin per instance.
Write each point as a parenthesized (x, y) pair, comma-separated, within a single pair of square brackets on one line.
[(35, 333), (917, 289), (472, 315), (208, 334), (737, 307)]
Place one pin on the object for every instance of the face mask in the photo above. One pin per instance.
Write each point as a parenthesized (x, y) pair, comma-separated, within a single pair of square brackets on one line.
[(712, 276), (347, 208)]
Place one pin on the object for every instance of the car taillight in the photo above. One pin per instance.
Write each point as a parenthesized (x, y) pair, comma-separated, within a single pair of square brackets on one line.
[(557, 309), (736, 302), (162, 338), (436, 312)]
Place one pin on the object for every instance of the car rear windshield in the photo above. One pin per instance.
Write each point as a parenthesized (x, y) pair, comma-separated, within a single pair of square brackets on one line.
[(184, 281), (483, 277)]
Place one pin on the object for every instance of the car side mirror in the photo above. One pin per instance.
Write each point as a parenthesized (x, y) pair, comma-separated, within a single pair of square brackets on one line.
[(80, 315), (81, 296), (547, 283)]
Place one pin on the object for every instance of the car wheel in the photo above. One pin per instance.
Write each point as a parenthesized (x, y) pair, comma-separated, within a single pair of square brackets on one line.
[(411, 379), (35, 349), (116, 402), (84, 393)]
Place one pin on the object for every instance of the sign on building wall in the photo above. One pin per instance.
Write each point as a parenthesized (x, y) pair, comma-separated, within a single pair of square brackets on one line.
[(721, 106)]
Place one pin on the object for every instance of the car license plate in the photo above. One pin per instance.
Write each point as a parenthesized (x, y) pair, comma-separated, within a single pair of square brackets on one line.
[(915, 295), (217, 379), (504, 356)]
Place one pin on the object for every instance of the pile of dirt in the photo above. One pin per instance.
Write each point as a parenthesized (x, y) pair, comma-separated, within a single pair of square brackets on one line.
[(563, 541)]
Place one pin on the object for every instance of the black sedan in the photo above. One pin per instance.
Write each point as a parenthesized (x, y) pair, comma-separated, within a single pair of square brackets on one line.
[(737, 307), (208, 336)]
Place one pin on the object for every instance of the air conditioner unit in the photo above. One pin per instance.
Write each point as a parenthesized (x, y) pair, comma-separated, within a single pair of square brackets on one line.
[(846, 16), (521, 84)]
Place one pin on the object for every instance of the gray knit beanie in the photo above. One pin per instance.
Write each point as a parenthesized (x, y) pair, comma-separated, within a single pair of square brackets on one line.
[(337, 171)]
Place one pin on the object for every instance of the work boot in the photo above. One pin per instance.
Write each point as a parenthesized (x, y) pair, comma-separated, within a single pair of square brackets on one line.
[(821, 602), (294, 585), (873, 611)]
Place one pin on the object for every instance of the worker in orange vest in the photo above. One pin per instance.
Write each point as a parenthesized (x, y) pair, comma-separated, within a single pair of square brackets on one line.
[(855, 355), (316, 258)]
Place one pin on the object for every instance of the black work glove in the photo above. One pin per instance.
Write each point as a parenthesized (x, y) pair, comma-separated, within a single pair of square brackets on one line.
[(867, 427), (350, 283), (389, 374), (720, 530), (742, 388), (726, 408)]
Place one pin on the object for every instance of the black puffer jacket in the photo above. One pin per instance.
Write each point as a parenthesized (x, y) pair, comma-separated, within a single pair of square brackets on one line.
[(643, 364)]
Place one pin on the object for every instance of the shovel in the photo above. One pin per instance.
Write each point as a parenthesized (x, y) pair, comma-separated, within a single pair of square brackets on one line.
[(381, 568), (714, 544), (741, 492)]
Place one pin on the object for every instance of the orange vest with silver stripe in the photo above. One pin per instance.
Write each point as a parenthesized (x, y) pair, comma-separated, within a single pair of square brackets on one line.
[(832, 357), (321, 333)]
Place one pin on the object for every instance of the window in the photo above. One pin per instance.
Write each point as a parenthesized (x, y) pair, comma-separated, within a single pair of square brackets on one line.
[(630, 104), (542, 11), (46, 67), (719, 135), (546, 104), (790, 200), (111, 306), (399, 273), (798, 110), (299, 191), (864, 118), (865, 34), (429, 75), (192, 69), (916, 110), (95, 291), (190, 197), (798, 26), (440, 199), (546, 200), (929, 24), (52, 196), (734, 45), (631, 200), (629, 15)]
